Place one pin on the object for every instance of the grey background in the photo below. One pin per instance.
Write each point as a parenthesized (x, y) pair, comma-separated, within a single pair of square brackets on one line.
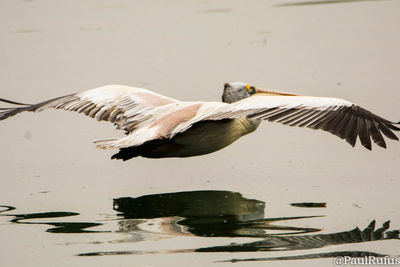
[(187, 50)]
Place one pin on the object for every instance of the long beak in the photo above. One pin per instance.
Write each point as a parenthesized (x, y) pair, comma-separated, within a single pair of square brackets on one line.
[(273, 92)]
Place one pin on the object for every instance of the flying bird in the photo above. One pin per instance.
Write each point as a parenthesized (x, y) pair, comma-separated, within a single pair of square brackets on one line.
[(158, 126)]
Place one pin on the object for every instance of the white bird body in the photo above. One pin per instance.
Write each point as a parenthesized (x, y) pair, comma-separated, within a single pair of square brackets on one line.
[(159, 126)]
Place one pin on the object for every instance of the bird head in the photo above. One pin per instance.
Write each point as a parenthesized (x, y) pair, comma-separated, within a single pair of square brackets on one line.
[(237, 91)]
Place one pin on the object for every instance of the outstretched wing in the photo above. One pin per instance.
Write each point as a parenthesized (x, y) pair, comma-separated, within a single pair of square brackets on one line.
[(337, 116), (127, 107)]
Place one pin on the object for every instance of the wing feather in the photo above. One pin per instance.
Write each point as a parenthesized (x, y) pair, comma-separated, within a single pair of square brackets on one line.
[(331, 124), (341, 128), (352, 129), (376, 135), (364, 133), (127, 107), (337, 116), (386, 131), (283, 114), (317, 118), (306, 118), (293, 116)]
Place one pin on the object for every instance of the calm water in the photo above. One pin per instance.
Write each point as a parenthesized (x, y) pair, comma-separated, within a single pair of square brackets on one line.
[(211, 215), (280, 195)]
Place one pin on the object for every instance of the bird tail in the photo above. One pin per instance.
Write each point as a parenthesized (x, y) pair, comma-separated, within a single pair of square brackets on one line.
[(105, 144)]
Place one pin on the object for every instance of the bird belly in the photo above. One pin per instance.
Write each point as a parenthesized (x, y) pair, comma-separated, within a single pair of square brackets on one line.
[(207, 137)]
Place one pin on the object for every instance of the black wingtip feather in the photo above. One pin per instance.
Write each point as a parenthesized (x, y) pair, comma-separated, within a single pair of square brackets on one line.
[(13, 102), (387, 132), (391, 126), (375, 133), (11, 112)]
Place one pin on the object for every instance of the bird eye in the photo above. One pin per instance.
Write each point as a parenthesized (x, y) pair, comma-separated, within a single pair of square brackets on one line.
[(251, 89)]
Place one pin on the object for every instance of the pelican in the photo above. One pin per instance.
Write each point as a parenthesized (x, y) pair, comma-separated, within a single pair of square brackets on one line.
[(158, 126)]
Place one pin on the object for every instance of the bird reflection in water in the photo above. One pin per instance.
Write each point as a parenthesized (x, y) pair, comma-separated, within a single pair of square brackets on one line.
[(228, 214), (200, 213), (214, 214)]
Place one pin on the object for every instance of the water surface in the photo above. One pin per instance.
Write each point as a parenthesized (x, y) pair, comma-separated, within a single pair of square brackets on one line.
[(212, 214)]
